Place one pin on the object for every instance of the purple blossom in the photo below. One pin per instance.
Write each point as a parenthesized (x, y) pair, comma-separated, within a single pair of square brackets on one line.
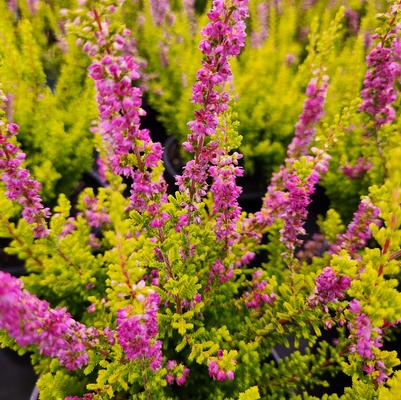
[(260, 35), (225, 195), (189, 7), (31, 321), (245, 259), (260, 294), (220, 272), (19, 184), (311, 115), (352, 18), (137, 332), (87, 396), (355, 306), (160, 11), (223, 37), (288, 196), (13, 5), (357, 170), (358, 232), (312, 248), (177, 373), (96, 216), (216, 369), (32, 4), (330, 287), (378, 91), (130, 150), (366, 339)]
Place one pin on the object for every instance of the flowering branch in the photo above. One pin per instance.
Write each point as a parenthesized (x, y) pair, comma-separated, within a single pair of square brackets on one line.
[(20, 186), (223, 37), (31, 321), (130, 150)]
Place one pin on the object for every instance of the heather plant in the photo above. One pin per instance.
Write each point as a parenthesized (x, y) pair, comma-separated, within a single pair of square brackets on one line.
[(48, 94), (138, 294), (287, 41)]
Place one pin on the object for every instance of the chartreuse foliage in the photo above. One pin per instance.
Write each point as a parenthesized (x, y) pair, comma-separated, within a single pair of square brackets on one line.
[(269, 79), (220, 316), (43, 74)]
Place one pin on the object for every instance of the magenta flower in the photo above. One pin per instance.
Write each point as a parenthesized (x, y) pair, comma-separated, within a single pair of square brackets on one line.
[(160, 10), (365, 338), (87, 396), (260, 293), (225, 195), (20, 186), (223, 37), (137, 333), (31, 321), (312, 113), (220, 272), (260, 35), (177, 373), (287, 196), (358, 232), (216, 369), (96, 216), (130, 150), (358, 170), (378, 92), (330, 287)]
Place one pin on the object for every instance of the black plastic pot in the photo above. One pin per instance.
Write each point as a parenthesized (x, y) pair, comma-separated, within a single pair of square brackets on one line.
[(34, 394), (16, 377)]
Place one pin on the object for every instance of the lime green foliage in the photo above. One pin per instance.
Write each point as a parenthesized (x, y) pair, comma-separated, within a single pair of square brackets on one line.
[(94, 272), (251, 394), (394, 388), (269, 81), (43, 74)]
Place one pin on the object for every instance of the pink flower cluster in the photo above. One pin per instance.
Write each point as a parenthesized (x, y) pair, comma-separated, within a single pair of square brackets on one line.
[(259, 294), (358, 232), (378, 92), (220, 272), (352, 18), (366, 338), (137, 332), (312, 113), (19, 184), (329, 288), (31, 321), (188, 304), (223, 37), (216, 371), (288, 196), (131, 152), (87, 396), (312, 248), (259, 36), (176, 373), (95, 216), (358, 170), (295, 211), (13, 5), (160, 11), (225, 195), (189, 7), (245, 259)]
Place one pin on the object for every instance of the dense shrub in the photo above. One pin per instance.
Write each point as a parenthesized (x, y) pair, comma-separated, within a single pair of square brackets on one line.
[(134, 293)]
